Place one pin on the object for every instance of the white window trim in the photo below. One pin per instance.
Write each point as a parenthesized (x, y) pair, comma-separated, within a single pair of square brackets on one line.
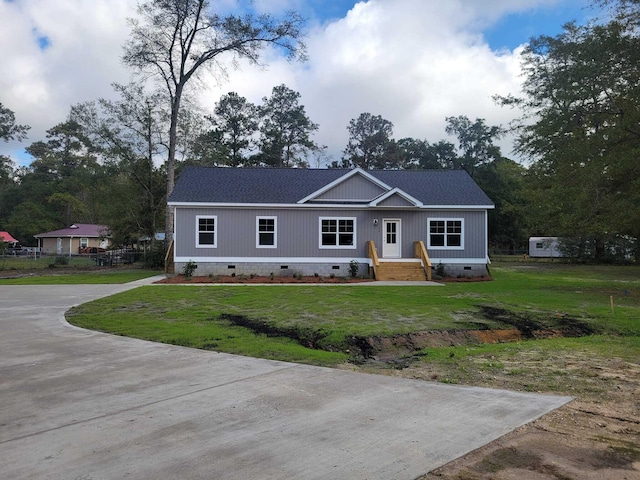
[(275, 231), (215, 232), (85, 241), (337, 247), (444, 247)]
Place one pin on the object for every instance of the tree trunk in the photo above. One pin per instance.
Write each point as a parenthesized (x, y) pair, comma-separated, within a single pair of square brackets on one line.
[(171, 165)]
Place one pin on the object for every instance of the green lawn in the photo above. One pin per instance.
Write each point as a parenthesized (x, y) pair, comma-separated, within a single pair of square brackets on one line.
[(64, 276), (12, 263), (329, 317)]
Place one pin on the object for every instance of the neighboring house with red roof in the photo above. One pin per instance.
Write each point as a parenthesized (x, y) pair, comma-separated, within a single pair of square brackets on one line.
[(72, 240), (6, 237)]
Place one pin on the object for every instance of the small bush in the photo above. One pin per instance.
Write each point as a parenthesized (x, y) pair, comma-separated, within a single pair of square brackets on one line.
[(354, 268), (440, 270), (188, 269), (61, 260)]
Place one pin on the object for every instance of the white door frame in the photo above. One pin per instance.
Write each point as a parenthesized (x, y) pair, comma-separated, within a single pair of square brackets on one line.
[(392, 250)]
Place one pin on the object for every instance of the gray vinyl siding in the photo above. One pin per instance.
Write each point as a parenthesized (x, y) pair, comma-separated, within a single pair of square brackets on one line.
[(474, 234), (298, 232), (354, 188), (395, 201)]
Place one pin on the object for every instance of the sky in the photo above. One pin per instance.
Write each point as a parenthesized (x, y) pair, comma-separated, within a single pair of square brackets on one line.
[(414, 62)]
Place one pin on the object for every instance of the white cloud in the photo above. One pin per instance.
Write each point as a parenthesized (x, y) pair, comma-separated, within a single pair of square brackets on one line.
[(81, 61), (412, 61)]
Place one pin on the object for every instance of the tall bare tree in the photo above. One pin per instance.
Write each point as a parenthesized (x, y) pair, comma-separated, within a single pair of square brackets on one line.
[(176, 40)]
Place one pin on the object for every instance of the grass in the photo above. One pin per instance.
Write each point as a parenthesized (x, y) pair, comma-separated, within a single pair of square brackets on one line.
[(329, 317), (75, 274), (25, 263)]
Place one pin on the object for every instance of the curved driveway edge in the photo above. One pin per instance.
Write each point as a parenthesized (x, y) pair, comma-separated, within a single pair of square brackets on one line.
[(82, 404)]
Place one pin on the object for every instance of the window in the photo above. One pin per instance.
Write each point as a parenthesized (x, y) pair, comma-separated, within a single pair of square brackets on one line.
[(84, 242), (206, 232), (337, 232), (446, 233), (266, 232)]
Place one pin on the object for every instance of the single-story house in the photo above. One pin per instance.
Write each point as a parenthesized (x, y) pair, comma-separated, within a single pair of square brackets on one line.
[(266, 221), (74, 239), (544, 247)]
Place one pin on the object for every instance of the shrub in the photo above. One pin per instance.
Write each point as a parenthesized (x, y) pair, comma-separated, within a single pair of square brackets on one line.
[(354, 268), (189, 268), (61, 260), (440, 270)]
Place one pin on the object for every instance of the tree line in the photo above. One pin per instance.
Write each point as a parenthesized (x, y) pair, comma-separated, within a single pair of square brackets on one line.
[(115, 161)]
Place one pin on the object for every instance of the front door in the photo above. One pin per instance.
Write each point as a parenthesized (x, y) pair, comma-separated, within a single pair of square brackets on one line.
[(391, 238)]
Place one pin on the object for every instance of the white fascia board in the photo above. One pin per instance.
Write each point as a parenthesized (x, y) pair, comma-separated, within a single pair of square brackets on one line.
[(396, 191), (362, 206), (458, 207), (278, 260), (346, 176)]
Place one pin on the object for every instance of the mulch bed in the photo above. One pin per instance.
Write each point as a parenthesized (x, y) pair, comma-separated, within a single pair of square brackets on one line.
[(291, 280), (258, 279)]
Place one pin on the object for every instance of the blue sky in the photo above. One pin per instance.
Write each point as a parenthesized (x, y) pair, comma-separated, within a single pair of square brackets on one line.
[(517, 28), (412, 61)]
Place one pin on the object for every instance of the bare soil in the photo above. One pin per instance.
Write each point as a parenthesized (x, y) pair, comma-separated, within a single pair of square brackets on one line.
[(596, 436)]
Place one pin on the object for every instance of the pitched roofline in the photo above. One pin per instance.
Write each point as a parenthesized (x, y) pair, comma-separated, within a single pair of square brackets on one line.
[(343, 178), (361, 206), (396, 191)]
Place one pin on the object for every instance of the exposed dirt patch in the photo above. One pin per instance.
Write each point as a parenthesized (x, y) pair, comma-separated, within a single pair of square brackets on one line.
[(597, 436), (310, 338), (541, 327)]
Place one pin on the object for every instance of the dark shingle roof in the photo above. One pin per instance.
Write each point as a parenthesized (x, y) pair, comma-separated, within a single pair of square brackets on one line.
[(288, 185)]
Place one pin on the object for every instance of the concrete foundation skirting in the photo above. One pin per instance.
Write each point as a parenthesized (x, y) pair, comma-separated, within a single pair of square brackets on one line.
[(288, 269), (471, 270)]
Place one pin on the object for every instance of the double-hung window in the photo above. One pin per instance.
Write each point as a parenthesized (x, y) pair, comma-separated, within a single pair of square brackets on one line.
[(446, 233), (266, 232), (337, 232), (206, 231)]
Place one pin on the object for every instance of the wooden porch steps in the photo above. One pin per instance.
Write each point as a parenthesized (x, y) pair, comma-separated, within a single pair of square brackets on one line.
[(401, 271)]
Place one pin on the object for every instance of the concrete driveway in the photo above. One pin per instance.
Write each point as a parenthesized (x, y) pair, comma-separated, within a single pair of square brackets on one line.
[(76, 404)]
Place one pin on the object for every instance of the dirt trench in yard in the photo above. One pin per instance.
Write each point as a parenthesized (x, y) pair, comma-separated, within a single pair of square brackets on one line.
[(399, 350)]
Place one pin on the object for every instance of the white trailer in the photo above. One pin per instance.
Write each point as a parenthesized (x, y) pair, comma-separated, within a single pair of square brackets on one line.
[(544, 247)]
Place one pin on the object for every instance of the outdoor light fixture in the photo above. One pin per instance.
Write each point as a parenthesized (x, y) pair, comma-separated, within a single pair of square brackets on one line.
[(375, 222)]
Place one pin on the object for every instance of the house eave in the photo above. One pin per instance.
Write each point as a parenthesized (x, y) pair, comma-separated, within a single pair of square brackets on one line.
[(361, 206)]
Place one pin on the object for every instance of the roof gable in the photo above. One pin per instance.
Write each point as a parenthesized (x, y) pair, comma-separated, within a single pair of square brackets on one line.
[(396, 198), (356, 186)]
